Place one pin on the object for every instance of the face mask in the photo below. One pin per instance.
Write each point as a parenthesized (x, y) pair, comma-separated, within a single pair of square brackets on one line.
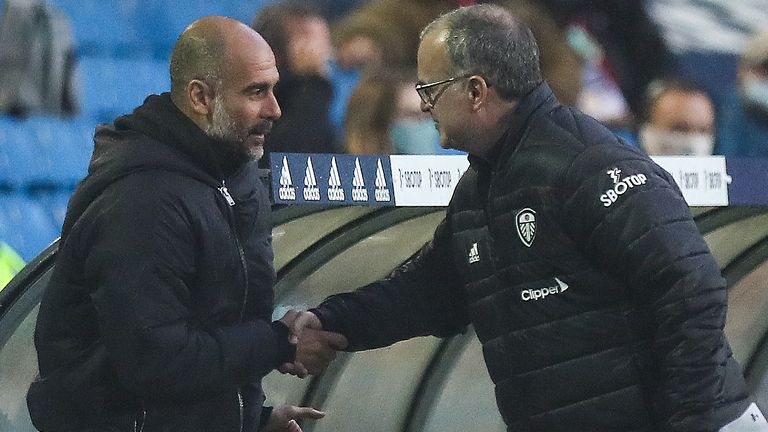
[(756, 92), (414, 137), (659, 142)]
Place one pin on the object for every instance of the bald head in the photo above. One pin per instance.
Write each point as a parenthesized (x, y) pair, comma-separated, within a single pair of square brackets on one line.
[(223, 76), (204, 51)]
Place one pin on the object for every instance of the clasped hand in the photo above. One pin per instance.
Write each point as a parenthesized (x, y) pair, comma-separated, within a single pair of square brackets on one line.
[(315, 348)]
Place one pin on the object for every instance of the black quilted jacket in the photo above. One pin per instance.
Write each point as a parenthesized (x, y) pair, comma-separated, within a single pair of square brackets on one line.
[(575, 257), (160, 303)]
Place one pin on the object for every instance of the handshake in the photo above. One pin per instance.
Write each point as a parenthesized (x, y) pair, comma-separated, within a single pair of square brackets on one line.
[(315, 348)]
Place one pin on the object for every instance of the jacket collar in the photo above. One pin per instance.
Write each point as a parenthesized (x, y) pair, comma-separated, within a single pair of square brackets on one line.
[(160, 119), (541, 99)]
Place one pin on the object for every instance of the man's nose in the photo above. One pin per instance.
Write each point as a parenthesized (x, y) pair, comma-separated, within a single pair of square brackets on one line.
[(272, 109)]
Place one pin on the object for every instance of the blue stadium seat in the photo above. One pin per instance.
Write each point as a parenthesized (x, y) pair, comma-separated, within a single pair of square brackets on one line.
[(113, 87), (64, 150), (105, 27), (25, 225), (20, 157), (55, 205)]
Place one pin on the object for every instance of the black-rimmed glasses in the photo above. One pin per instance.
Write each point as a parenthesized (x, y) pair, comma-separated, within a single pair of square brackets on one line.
[(425, 90)]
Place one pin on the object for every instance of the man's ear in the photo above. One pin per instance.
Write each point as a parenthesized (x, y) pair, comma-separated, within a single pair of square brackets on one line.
[(200, 96), (478, 91)]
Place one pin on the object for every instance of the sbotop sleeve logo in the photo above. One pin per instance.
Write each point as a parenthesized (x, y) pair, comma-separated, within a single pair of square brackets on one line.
[(620, 185)]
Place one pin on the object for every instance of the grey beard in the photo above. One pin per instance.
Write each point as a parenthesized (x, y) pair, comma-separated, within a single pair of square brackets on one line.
[(222, 128)]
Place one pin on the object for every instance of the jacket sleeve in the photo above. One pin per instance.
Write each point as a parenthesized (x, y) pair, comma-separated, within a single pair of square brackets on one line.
[(140, 261), (422, 297), (632, 221)]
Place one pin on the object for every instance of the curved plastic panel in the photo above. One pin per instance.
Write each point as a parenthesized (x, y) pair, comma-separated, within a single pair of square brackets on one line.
[(421, 385), (728, 242), (374, 390), (747, 320), (463, 397), (295, 236), (367, 260)]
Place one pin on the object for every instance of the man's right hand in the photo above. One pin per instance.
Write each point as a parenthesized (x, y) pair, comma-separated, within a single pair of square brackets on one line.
[(315, 348)]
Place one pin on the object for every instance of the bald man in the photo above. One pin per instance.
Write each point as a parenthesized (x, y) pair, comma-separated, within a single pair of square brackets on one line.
[(158, 313)]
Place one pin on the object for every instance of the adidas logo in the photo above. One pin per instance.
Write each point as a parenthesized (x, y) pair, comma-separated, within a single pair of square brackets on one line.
[(359, 193), (382, 192), (335, 191), (286, 191), (311, 192), (474, 254)]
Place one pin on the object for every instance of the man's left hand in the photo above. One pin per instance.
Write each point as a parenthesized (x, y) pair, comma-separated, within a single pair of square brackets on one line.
[(284, 418)]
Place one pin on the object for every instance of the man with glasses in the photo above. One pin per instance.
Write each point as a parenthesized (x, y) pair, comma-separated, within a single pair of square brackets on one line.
[(597, 302)]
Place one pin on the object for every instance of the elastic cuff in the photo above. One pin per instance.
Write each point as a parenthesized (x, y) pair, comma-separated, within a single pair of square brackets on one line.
[(266, 413), (325, 319), (286, 351)]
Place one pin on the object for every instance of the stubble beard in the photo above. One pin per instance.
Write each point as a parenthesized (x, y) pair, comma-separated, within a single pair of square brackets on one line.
[(224, 129)]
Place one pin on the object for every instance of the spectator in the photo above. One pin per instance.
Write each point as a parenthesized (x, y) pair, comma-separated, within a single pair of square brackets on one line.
[(622, 48), (384, 116), (158, 314), (387, 32), (10, 264), (743, 122), (301, 41), (680, 120)]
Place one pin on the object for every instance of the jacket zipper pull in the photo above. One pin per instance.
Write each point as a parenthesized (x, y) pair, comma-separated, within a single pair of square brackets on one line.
[(225, 193)]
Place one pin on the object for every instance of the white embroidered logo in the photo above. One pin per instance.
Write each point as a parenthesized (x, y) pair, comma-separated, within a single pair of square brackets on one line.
[(542, 293), (525, 222), (620, 186), (614, 173), (474, 254)]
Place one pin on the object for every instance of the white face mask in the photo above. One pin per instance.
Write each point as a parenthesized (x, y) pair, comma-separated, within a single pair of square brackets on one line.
[(659, 142), (756, 92)]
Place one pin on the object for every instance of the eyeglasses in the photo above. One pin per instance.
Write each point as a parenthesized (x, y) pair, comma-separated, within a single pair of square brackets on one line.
[(425, 90)]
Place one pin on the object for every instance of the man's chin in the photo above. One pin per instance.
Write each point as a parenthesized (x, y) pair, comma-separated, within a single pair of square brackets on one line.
[(255, 153)]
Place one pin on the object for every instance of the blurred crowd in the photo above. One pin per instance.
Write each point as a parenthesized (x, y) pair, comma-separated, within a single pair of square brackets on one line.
[(671, 77), (609, 58)]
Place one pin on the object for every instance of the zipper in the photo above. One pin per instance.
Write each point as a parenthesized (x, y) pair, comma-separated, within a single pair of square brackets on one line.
[(233, 223), (225, 192), (241, 253), (242, 409), (136, 426)]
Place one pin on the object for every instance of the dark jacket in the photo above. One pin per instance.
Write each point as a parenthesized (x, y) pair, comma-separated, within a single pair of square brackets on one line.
[(597, 302), (161, 299)]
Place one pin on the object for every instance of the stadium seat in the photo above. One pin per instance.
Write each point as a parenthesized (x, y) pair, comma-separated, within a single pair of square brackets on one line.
[(112, 87), (20, 158), (105, 27), (64, 148), (55, 205), (25, 225)]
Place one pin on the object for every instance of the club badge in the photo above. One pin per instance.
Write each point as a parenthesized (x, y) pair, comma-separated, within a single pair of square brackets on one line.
[(525, 221)]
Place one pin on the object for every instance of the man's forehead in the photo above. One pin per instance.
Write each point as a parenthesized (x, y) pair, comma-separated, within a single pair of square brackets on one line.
[(433, 57)]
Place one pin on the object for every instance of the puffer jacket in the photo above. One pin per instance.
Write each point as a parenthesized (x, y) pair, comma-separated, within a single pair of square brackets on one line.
[(597, 302), (158, 313)]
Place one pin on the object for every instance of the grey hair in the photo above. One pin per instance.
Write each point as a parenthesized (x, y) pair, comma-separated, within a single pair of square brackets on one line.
[(196, 57), (487, 40)]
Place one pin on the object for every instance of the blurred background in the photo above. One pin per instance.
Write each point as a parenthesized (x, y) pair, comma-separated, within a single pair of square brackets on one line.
[(673, 77), (669, 76)]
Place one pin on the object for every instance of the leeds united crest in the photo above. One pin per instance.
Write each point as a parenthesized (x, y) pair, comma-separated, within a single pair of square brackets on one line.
[(525, 221)]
